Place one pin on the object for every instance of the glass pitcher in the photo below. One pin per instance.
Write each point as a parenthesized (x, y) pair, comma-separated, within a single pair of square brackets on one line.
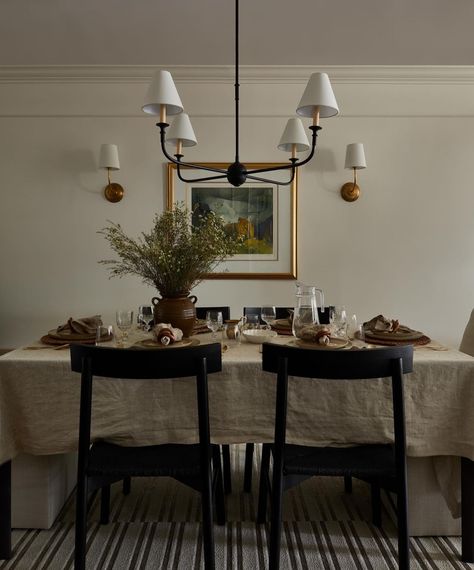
[(306, 308)]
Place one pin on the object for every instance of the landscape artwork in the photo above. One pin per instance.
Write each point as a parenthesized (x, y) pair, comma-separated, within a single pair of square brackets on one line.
[(249, 211)]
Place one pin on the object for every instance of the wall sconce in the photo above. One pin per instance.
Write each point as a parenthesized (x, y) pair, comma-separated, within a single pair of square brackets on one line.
[(109, 159), (355, 159)]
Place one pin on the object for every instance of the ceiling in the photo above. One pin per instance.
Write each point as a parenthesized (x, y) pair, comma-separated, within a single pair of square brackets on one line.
[(273, 32)]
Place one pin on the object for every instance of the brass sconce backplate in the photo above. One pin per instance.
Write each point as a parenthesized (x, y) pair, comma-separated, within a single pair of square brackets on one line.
[(113, 192), (350, 192)]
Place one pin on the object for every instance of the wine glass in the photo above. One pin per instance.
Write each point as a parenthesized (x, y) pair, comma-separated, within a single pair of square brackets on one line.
[(124, 319), (338, 318), (268, 315), (145, 316), (214, 322)]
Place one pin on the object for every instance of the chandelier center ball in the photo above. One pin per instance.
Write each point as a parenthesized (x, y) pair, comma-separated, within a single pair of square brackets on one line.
[(237, 174)]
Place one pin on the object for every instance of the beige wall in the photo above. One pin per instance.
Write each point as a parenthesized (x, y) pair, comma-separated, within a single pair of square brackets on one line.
[(405, 249)]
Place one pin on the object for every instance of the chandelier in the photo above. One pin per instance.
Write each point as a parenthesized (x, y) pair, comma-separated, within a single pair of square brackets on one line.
[(318, 101)]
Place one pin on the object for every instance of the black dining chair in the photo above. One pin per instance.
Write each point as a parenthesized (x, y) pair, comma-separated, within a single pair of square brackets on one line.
[(384, 465), (101, 463), (201, 312)]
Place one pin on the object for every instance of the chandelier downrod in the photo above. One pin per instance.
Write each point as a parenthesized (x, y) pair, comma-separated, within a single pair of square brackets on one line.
[(317, 101)]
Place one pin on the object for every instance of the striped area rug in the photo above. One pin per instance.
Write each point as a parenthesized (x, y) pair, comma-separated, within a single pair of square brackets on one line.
[(157, 527)]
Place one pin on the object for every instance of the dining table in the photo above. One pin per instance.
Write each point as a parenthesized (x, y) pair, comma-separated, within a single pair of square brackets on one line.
[(39, 412)]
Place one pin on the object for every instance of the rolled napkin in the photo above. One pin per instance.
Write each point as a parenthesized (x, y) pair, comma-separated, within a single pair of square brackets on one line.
[(84, 325), (320, 334), (165, 334), (382, 324)]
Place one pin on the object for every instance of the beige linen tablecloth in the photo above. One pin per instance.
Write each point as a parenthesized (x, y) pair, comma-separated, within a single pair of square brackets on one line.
[(39, 406)]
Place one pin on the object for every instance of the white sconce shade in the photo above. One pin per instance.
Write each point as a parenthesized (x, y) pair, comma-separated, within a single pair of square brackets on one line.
[(162, 91), (355, 156), (294, 136), (318, 95), (109, 157), (181, 130)]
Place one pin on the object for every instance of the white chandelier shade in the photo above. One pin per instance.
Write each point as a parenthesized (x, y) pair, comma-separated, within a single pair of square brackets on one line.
[(162, 92), (318, 97), (294, 137), (182, 131)]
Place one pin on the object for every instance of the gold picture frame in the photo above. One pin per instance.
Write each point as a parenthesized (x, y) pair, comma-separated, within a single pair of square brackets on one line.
[(278, 264)]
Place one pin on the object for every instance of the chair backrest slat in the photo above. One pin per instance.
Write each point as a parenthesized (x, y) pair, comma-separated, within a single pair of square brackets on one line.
[(201, 312), (146, 363)]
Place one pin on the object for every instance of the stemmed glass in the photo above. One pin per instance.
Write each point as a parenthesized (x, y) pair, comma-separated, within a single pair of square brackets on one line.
[(268, 315), (338, 318), (145, 316), (124, 319), (214, 322)]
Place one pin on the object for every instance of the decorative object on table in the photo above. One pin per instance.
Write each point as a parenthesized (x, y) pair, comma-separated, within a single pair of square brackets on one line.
[(318, 101), (173, 257), (264, 214), (200, 327), (109, 159), (317, 334), (258, 336), (355, 159), (389, 332), (306, 308), (165, 334), (77, 331)]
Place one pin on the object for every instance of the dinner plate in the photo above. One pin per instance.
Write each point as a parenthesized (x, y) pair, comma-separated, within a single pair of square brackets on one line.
[(152, 343), (334, 344), (66, 335), (281, 324), (47, 339), (403, 333)]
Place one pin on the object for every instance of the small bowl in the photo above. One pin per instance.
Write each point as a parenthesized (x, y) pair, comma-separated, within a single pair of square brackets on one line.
[(257, 336)]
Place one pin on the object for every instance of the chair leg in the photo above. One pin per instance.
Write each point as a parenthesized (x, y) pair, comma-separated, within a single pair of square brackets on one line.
[(249, 447), (219, 487), (403, 538), (376, 504), (127, 485), (207, 522), (226, 467), (81, 525), (105, 504), (347, 484), (275, 529), (263, 486)]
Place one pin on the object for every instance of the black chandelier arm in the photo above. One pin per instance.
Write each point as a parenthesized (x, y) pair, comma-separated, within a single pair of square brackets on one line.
[(177, 162), (269, 181), (294, 164), (205, 179)]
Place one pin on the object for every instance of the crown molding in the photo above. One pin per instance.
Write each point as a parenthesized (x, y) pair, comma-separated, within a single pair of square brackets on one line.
[(351, 74)]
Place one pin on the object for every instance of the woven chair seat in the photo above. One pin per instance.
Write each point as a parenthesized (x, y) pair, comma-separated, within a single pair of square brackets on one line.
[(169, 460), (364, 461)]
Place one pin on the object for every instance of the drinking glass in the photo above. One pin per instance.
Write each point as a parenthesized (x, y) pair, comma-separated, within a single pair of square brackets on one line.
[(338, 318), (145, 316), (124, 319), (103, 334), (214, 322), (268, 315)]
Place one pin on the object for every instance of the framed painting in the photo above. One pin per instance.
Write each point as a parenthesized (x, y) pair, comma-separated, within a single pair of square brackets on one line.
[(264, 213)]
